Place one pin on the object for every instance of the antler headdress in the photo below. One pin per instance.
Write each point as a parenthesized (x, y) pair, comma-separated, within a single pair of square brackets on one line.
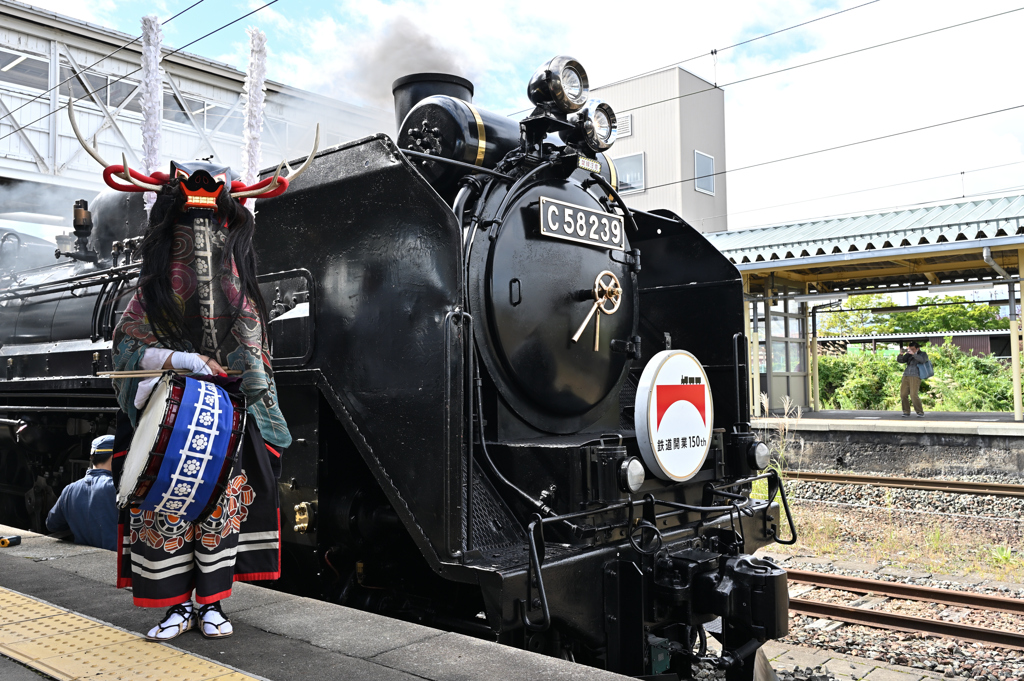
[(200, 196)]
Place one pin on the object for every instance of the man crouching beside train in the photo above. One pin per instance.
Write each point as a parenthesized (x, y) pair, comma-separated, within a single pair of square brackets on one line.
[(197, 308)]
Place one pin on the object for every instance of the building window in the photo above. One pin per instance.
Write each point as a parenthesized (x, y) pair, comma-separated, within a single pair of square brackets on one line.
[(174, 111), (631, 173), (72, 85), (20, 69), (704, 173), (122, 90)]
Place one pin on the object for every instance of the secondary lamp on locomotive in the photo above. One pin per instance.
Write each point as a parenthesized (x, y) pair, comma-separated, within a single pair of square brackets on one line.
[(519, 407)]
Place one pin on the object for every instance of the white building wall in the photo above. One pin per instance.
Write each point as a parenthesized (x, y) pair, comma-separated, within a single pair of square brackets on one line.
[(667, 134)]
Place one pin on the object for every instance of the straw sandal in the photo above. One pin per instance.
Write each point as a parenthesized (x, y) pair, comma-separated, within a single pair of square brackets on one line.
[(179, 619), (213, 623)]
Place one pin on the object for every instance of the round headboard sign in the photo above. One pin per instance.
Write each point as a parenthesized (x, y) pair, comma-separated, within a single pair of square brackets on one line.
[(674, 415)]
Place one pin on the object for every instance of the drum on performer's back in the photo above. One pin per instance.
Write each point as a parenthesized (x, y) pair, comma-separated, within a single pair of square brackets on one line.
[(185, 445)]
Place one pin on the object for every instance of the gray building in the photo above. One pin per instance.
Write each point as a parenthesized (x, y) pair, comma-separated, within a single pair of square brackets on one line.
[(42, 166), (671, 143)]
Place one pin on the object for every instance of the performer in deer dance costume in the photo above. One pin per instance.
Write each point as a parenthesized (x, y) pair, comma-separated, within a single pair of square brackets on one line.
[(197, 307)]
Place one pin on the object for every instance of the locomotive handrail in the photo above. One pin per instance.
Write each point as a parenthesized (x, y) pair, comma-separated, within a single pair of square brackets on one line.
[(605, 185), (775, 485), (71, 283), (476, 169), (740, 388), (526, 605), (499, 214), (448, 322)]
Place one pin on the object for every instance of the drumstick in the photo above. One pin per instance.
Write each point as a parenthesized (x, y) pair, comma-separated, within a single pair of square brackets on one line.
[(153, 373)]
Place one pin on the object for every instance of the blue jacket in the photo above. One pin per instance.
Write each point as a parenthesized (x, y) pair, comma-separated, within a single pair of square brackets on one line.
[(88, 508)]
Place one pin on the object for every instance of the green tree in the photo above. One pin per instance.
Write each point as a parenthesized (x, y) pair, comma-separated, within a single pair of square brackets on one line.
[(859, 323), (961, 316)]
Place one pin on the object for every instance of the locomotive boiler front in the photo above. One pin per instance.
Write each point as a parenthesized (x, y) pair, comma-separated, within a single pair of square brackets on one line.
[(554, 286)]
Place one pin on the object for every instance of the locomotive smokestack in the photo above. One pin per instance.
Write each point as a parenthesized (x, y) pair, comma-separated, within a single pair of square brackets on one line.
[(412, 89)]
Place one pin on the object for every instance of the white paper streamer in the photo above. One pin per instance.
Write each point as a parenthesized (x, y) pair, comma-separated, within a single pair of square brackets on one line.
[(152, 97), (254, 91)]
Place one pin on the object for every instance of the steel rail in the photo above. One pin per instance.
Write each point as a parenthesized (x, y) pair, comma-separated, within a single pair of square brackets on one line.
[(888, 620), (954, 486), (964, 599)]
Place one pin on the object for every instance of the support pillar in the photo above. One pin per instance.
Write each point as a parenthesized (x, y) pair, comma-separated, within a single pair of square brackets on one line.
[(755, 371), (750, 334), (1018, 408), (815, 383), (1015, 333)]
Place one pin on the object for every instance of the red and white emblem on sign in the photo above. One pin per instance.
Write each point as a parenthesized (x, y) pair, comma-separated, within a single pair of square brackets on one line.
[(674, 415)]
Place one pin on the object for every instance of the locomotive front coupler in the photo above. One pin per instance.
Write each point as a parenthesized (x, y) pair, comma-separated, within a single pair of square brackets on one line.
[(695, 586), (726, 542)]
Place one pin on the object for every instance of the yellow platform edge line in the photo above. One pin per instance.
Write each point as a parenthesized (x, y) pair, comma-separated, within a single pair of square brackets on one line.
[(69, 666)]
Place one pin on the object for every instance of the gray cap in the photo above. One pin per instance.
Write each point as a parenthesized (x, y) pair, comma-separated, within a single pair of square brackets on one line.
[(102, 449)]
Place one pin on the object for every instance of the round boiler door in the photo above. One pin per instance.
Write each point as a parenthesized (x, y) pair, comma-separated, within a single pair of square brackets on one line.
[(558, 302)]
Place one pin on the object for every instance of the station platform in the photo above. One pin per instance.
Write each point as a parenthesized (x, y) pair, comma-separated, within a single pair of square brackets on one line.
[(62, 618), (940, 443), (952, 422)]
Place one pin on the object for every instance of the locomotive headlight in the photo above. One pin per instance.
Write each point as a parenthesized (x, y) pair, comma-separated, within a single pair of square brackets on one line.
[(759, 456), (572, 84), (631, 475), (562, 81), (598, 123)]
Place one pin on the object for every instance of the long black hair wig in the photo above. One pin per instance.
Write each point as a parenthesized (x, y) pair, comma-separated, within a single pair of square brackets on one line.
[(163, 308)]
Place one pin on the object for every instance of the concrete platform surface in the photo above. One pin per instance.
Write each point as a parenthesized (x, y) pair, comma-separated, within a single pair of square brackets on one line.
[(998, 424), (784, 656), (277, 636)]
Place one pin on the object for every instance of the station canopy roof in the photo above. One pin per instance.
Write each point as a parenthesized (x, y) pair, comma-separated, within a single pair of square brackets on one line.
[(921, 335), (919, 246)]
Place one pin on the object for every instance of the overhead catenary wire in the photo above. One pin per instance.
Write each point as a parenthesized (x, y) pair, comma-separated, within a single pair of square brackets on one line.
[(715, 51), (819, 61), (868, 189), (169, 54), (836, 147), (729, 47), (75, 74), (870, 211)]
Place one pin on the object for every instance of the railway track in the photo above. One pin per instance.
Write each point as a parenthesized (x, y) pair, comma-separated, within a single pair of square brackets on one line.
[(957, 487), (888, 620)]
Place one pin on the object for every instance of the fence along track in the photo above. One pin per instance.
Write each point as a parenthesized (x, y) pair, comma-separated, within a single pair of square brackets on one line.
[(957, 487), (887, 620)]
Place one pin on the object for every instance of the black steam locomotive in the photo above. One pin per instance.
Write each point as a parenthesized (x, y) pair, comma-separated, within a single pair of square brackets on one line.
[(479, 349)]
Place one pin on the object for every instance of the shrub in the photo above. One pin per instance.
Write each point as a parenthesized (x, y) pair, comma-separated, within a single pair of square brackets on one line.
[(962, 381)]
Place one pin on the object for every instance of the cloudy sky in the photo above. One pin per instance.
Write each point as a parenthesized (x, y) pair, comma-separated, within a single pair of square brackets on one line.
[(353, 50)]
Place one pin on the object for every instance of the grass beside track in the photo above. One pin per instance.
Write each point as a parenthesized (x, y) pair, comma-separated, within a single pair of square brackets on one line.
[(974, 546)]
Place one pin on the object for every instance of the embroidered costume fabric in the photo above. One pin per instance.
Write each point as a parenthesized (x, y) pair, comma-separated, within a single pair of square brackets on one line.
[(218, 327), (162, 556)]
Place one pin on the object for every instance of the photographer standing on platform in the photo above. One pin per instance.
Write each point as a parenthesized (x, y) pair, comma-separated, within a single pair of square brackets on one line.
[(911, 383), (87, 506)]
